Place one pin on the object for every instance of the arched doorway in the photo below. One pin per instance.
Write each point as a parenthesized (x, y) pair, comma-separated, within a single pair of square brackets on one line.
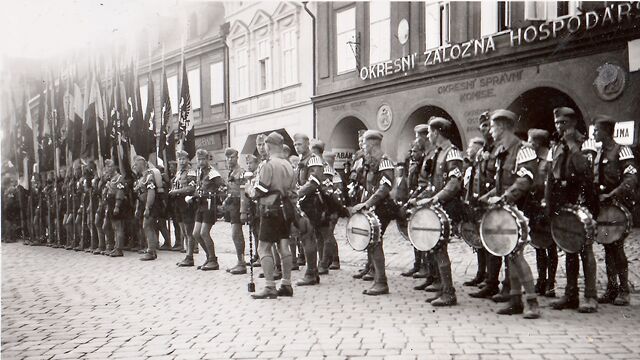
[(344, 139), (535, 108), (421, 116)]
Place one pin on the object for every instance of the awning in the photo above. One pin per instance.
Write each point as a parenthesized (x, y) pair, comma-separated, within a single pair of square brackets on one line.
[(250, 144)]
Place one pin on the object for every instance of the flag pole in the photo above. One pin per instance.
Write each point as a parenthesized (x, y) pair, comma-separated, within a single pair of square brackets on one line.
[(56, 164), (95, 109)]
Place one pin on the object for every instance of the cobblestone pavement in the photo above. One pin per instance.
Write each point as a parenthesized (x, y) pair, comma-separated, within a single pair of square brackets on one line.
[(59, 304)]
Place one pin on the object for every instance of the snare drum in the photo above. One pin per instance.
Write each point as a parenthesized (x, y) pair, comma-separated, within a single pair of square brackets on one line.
[(363, 230), (572, 227), (540, 232), (503, 230), (429, 228), (614, 223), (470, 227)]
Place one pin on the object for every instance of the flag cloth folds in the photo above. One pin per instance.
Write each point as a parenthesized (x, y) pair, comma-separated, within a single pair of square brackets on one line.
[(78, 115), (45, 126), (186, 138), (149, 131), (166, 137), (89, 133)]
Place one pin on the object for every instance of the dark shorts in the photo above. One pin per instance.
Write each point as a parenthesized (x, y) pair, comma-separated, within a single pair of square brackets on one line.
[(206, 213), (232, 210), (184, 213), (273, 228), (157, 209)]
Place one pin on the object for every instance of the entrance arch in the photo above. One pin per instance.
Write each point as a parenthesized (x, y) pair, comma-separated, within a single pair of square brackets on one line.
[(344, 139), (535, 108), (421, 116)]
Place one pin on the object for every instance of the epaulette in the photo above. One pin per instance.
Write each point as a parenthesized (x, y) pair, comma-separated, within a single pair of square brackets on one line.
[(625, 153), (191, 172), (525, 154), (589, 145), (385, 164), (314, 160), (328, 170), (213, 173), (454, 154)]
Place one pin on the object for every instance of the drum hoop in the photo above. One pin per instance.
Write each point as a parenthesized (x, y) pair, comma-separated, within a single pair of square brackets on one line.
[(440, 213), (627, 222), (514, 211), (590, 226), (374, 225), (475, 209)]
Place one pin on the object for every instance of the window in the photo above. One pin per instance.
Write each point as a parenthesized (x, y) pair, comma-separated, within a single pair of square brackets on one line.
[(345, 40), (549, 10), (436, 23), (289, 58), (217, 83), (242, 73), (495, 16), (144, 89), (172, 83), (264, 65), (194, 88), (379, 31)]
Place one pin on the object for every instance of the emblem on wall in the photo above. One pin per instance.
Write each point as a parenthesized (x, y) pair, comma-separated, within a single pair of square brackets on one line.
[(610, 81), (385, 117), (403, 31)]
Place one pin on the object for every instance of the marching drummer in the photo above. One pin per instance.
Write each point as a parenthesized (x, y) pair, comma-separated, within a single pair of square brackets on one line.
[(516, 168), (616, 178), (379, 181), (443, 187), (570, 181)]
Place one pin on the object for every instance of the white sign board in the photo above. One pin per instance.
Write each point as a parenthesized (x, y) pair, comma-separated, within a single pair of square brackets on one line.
[(634, 55), (342, 155), (623, 133)]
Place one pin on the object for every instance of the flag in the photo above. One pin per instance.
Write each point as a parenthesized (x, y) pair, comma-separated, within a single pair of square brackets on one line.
[(78, 116), (187, 141), (26, 142), (67, 104), (101, 123), (149, 131), (166, 137), (60, 121), (45, 142), (137, 127), (89, 133)]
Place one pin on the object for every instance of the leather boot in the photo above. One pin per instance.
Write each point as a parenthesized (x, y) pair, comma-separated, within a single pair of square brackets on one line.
[(212, 264), (609, 295), (116, 253), (361, 273), (475, 281), (425, 284), (623, 295), (623, 299), (565, 302), (148, 256), (551, 289), (268, 293), (238, 269), (369, 275), (541, 286), (421, 274), (188, 261), (285, 290), (335, 264), (533, 309), (411, 271), (589, 306), (514, 307), (322, 270), (485, 293), (436, 286), (309, 280), (503, 295), (445, 300), (377, 289)]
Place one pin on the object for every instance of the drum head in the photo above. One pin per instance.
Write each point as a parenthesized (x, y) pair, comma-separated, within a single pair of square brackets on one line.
[(499, 231), (470, 233), (568, 231), (358, 232), (613, 224), (425, 229)]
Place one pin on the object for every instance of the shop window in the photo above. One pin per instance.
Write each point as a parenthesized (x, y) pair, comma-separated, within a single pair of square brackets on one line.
[(379, 31), (216, 75), (172, 84), (264, 65), (436, 23), (242, 73), (289, 57), (194, 88), (346, 40)]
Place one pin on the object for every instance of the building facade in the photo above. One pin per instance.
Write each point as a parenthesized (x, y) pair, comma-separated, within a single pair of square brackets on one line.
[(271, 69), (196, 36), (391, 66)]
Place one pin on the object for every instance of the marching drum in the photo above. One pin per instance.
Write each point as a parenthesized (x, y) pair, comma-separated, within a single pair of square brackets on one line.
[(503, 229), (572, 227), (363, 230), (540, 231), (614, 223), (429, 227), (470, 227)]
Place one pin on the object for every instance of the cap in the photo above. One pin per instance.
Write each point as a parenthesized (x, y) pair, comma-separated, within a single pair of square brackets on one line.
[(317, 144), (300, 136), (275, 139), (439, 123), (139, 158), (329, 155), (181, 154), (372, 135), (484, 117), (202, 153), (250, 158), (538, 135), (564, 112), (603, 119), (477, 140), (504, 116), (229, 152), (421, 128)]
